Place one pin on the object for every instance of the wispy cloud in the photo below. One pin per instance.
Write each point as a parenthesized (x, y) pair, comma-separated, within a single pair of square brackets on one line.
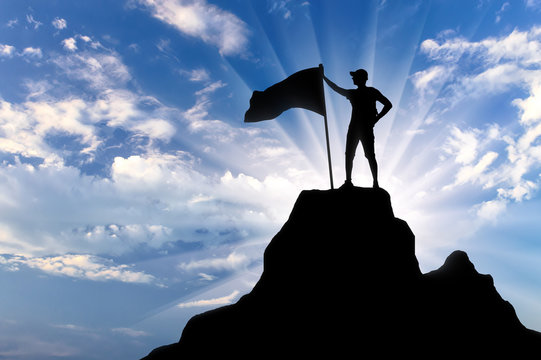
[(130, 332), (59, 23), (33, 22), (228, 299), (231, 262), (32, 52), (86, 267), (207, 22), (101, 70), (196, 75), (11, 23)]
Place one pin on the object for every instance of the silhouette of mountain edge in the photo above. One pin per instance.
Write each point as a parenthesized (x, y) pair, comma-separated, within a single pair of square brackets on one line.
[(340, 279)]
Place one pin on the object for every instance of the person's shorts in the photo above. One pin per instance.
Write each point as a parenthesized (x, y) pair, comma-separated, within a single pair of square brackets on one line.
[(363, 134)]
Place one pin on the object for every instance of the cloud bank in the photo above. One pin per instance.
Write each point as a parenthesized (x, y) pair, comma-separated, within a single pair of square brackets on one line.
[(507, 160)]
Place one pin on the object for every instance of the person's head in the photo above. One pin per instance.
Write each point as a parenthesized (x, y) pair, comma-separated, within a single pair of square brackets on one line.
[(359, 77)]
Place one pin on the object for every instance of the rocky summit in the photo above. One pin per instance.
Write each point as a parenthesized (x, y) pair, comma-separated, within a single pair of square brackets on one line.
[(341, 280)]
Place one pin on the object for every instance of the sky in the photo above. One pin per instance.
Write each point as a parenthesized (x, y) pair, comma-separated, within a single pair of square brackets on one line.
[(133, 196)]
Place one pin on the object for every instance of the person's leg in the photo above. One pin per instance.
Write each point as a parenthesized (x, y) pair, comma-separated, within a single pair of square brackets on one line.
[(368, 146), (374, 169), (352, 141)]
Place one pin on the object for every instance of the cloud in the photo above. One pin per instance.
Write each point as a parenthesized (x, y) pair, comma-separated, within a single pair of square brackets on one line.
[(196, 75), (70, 44), (152, 189), (6, 50), (86, 267), (281, 7), (286, 8), (426, 79), (491, 210), (33, 22), (474, 173), (228, 299), (462, 145), (211, 88), (130, 332), (59, 23), (71, 327), (100, 70), (533, 4), (204, 21), (530, 107), (11, 23), (25, 127), (232, 262), (32, 52), (507, 160), (499, 13)]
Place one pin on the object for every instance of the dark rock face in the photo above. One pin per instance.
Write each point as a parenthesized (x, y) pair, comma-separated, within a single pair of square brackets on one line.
[(341, 280)]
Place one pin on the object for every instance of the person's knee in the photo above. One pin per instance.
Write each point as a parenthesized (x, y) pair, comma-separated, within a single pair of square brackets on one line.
[(370, 156)]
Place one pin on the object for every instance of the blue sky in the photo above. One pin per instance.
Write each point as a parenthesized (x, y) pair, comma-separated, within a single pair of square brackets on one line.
[(133, 196)]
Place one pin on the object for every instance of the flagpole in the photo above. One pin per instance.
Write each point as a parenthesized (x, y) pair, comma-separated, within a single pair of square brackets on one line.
[(326, 127)]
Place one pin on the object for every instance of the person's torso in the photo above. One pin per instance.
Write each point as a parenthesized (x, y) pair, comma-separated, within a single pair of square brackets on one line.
[(363, 103)]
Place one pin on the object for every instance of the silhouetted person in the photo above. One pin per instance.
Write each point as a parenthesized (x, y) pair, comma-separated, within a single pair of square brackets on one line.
[(364, 115)]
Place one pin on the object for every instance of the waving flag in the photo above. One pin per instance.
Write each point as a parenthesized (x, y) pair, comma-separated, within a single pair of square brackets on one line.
[(304, 89)]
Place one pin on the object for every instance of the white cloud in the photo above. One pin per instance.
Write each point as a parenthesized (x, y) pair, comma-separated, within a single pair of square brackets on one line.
[(228, 299), (499, 13), (204, 21), (474, 173), (207, 277), (130, 332), (449, 51), (59, 23), (11, 23), (490, 210), (211, 88), (115, 215), (85, 38), (25, 127), (530, 108), (148, 199), (32, 52), (197, 75), (70, 44), (232, 262), (485, 68), (155, 128), (462, 144), (35, 23), (533, 3), (157, 175), (70, 327), (82, 267), (425, 79), (281, 7), (101, 70), (6, 50)]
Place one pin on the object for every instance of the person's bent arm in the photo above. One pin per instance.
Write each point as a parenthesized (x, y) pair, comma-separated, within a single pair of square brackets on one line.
[(386, 107)]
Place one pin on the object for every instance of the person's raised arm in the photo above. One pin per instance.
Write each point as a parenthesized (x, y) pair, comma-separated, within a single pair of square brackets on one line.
[(386, 106), (338, 89)]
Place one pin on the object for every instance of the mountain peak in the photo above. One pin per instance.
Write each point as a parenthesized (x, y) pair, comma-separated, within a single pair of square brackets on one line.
[(341, 276)]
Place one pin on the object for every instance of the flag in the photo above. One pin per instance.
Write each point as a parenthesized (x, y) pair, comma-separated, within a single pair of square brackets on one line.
[(304, 89)]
